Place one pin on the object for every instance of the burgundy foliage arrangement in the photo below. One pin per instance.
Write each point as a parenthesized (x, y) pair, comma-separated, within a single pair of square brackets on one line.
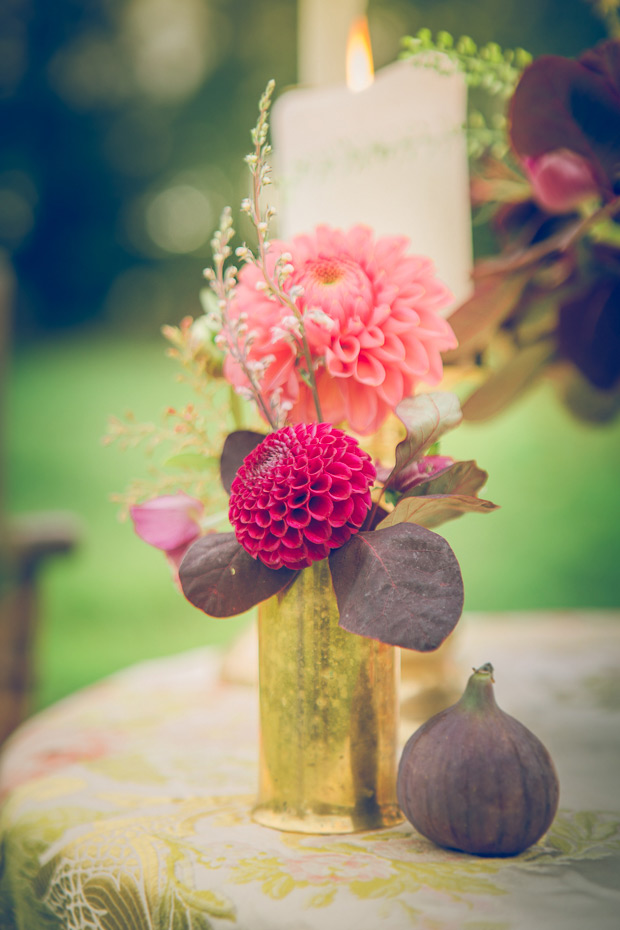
[(335, 327), (395, 580), (549, 301)]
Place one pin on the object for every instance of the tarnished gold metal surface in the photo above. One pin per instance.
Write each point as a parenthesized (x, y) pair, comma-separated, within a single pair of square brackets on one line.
[(328, 716)]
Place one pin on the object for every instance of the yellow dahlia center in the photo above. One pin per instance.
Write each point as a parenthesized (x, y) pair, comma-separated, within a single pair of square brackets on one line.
[(328, 271)]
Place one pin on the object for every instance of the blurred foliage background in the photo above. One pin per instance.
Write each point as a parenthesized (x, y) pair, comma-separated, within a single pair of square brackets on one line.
[(123, 129)]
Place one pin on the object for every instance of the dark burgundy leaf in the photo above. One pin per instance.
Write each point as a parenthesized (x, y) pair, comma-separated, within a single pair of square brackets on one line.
[(604, 59), (503, 386), (426, 417), (375, 515), (219, 577), (606, 256), (460, 478), (433, 510), (523, 219), (564, 104), (587, 402), (236, 447), (553, 240), (494, 298), (401, 585), (589, 332)]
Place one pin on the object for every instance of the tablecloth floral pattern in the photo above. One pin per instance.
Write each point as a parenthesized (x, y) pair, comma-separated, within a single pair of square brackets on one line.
[(127, 807)]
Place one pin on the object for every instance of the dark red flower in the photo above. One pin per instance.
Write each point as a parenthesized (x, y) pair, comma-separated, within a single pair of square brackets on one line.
[(572, 105), (560, 180), (303, 491)]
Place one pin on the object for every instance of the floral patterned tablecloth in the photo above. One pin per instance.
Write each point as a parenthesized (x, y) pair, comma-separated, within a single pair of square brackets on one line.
[(126, 806)]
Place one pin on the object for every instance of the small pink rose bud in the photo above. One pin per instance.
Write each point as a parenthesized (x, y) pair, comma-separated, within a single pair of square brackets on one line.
[(169, 522), (429, 466), (560, 180)]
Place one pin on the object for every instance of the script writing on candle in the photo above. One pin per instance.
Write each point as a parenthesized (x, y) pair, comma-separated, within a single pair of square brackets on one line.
[(391, 156)]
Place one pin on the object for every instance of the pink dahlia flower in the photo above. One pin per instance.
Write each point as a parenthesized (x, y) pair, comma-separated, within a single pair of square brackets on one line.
[(303, 491), (377, 334)]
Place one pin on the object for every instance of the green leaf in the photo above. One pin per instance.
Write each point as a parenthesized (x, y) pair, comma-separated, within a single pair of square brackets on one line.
[(209, 302), (191, 461), (401, 585), (435, 509)]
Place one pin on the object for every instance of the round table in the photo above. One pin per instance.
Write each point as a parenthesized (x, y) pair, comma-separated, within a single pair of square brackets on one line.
[(127, 806)]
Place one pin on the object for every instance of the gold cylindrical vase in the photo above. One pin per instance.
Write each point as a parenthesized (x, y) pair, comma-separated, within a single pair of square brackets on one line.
[(328, 716)]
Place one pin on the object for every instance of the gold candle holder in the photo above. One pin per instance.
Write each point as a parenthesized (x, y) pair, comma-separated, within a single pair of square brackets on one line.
[(328, 716)]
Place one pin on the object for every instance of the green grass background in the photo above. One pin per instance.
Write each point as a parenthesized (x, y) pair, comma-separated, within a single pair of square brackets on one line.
[(554, 543)]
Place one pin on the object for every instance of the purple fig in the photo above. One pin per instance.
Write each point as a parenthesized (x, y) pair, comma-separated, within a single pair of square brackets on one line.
[(473, 778)]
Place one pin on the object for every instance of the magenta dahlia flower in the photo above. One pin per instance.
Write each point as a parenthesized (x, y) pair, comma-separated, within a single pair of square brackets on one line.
[(303, 491), (372, 318)]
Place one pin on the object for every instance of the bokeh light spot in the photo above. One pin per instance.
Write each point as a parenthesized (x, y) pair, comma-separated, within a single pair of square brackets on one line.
[(179, 219)]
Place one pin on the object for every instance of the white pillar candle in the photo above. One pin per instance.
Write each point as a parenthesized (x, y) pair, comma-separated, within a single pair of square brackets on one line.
[(392, 156), (322, 33)]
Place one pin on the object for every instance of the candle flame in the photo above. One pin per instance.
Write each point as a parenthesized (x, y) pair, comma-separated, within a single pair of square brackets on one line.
[(360, 68)]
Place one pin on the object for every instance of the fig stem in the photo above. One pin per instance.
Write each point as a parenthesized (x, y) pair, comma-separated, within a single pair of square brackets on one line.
[(484, 670), (479, 691)]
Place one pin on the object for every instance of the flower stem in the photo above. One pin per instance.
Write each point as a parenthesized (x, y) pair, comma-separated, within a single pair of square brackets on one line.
[(260, 171), (560, 242), (369, 522), (223, 283)]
